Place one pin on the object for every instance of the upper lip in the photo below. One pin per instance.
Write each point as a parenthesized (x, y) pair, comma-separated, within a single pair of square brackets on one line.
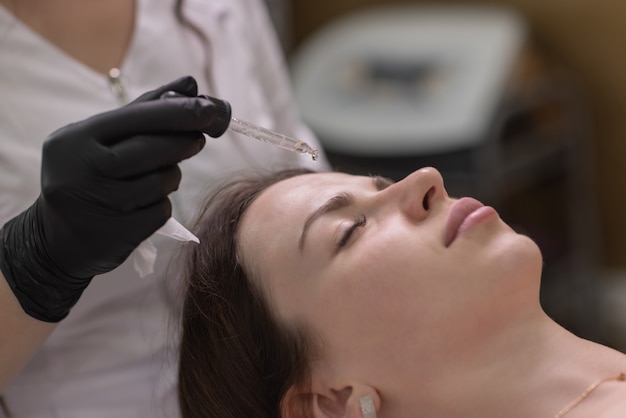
[(458, 212)]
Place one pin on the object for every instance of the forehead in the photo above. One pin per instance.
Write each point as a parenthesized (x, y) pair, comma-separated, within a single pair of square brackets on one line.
[(275, 218), (302, 192), (278, 213)]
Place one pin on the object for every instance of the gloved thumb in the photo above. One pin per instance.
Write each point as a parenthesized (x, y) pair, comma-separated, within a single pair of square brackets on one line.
[(187, 86)]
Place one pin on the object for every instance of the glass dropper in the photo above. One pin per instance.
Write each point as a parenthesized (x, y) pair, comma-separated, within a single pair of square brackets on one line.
[(271, 137)]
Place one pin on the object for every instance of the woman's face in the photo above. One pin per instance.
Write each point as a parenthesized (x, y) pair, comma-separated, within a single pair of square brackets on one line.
[(381, 270)]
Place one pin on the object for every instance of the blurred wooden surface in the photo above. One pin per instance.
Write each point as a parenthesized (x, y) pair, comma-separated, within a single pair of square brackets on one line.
[(584, 36)]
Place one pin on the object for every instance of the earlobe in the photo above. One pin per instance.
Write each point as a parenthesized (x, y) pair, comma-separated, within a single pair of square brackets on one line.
[(350, 402)]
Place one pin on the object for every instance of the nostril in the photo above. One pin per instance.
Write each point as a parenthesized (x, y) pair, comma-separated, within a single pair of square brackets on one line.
[(427, 197)]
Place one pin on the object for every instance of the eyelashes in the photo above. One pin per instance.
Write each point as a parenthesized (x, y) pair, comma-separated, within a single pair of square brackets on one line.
[(359, 221)]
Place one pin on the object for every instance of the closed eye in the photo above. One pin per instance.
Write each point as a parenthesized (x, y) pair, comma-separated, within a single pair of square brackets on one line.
[(359, 221)]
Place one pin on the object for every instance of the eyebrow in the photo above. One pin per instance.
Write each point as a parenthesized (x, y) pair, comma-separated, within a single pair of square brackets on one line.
[(337, 202)]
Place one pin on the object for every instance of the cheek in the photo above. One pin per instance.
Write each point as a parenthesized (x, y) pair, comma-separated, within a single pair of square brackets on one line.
[(381, 286), (395, 266)]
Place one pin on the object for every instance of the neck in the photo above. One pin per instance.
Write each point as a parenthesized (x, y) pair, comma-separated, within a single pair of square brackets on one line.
[(533, 367), (95, 33)]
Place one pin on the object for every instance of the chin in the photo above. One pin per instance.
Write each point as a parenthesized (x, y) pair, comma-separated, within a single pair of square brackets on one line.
[(521, 257)]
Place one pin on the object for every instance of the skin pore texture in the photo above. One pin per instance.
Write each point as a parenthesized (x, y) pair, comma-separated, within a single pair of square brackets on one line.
[(427, 327)]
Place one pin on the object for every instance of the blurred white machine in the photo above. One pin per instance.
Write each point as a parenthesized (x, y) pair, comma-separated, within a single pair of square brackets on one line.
[(403, 79)]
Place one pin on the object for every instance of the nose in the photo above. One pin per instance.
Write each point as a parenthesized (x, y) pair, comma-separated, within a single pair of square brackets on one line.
[(417, 194)]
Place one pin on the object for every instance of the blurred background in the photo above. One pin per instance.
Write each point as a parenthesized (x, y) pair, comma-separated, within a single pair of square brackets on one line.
[(520, 103)]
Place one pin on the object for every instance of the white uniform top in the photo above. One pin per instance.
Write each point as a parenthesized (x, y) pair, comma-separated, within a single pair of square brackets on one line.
[(115, 354)]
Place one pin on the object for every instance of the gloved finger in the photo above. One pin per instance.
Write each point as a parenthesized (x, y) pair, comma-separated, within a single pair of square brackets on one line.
[(185, 114), (187, 86), (145, 153), (131, 195), (149, 218), (127, 232)]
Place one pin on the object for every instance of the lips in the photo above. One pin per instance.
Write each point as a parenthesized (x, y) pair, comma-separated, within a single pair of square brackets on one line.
[(459, 212)]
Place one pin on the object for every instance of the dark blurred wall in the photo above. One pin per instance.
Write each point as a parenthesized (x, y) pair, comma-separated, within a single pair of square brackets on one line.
[(586, 36)]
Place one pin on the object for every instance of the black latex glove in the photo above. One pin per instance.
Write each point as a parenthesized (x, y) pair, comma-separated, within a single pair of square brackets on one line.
[(104, 188)]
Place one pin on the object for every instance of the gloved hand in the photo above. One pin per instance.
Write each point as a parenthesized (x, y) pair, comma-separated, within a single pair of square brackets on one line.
[(104, 187)]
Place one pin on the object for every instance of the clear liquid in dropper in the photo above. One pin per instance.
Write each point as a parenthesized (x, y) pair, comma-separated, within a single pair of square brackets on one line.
[(271, 137)]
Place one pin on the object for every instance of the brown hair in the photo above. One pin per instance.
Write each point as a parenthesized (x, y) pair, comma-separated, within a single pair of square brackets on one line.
[(236, 359)]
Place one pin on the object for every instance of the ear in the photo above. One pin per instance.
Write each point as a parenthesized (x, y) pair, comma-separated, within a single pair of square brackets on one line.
[(358, 401)]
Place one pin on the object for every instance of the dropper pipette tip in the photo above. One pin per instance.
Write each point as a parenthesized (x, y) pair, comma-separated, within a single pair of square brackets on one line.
[(271, 137)]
